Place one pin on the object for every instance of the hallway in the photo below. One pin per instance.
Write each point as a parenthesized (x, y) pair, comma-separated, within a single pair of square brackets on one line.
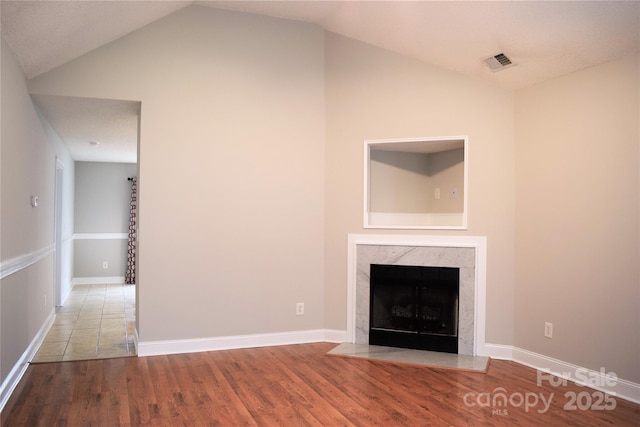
[(96, 322)]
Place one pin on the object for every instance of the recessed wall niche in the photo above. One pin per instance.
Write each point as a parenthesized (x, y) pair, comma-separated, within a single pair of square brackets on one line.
[(417, 183)]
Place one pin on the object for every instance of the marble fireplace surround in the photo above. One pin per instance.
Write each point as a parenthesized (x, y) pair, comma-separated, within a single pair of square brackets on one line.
[(468, 253)]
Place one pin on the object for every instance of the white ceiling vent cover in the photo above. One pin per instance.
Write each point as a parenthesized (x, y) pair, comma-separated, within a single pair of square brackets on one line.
[(498, 62)]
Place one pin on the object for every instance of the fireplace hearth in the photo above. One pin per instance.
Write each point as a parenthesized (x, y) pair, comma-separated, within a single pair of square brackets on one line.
[(414, 307)]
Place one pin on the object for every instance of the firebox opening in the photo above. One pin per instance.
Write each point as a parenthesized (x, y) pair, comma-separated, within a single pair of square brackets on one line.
[(414, 307)]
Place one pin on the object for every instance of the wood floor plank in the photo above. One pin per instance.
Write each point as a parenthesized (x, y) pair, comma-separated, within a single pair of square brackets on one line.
[(301, 394), (331, 390), (296, 385)]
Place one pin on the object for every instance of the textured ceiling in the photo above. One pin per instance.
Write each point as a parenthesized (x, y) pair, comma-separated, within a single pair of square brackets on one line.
[(83, 122), (545, 39), (45, 34)]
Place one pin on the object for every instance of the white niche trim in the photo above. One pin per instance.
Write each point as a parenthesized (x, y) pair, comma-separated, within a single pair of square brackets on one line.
[(416, 183)]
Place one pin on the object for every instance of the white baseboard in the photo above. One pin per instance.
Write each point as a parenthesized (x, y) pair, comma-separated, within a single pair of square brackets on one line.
[(18, 370), (63, 297), (97, 280), (497, 351), (547, 365), (335, 335), (154, 348), (136, 341)]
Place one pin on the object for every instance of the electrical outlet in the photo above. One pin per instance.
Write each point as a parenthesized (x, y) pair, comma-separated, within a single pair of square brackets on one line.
[(548, 329), (105, 264), (436, 194), (299, 309)]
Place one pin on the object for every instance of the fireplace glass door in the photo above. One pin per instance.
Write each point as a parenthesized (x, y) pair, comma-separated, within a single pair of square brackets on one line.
[(414, 307)]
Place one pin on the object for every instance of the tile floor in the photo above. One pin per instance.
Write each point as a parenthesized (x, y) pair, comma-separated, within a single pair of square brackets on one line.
[(96, 322)]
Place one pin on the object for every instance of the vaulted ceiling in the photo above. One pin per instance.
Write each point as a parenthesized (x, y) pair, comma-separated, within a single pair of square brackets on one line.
[(543, 39)]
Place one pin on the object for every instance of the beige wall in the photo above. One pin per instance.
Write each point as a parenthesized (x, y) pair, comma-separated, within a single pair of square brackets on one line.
[(446, 172), (402, 182), (24, 143), (231, 168), (375, 94), (103, 196), (28, 157), (90, 254), (577, 242), (398, 182), (102, 205)]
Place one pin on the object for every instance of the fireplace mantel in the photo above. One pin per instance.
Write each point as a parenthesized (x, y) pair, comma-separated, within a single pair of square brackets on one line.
[(479, 244)]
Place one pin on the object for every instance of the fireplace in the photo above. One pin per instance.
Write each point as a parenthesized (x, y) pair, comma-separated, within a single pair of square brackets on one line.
[(466, 253), (414, 307)]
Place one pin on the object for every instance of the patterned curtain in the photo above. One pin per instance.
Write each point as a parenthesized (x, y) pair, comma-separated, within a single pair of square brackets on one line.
[(130, 277)]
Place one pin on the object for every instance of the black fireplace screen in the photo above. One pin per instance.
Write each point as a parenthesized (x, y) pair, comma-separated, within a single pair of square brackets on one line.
[(414, 307)]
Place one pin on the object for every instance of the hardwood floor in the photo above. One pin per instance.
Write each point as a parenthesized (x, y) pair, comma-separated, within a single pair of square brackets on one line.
[(294, 385)]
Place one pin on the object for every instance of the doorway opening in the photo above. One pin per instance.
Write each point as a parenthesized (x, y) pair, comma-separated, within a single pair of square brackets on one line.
[(91, 216)]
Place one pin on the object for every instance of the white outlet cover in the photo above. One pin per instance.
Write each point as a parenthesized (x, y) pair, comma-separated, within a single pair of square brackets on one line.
[(548, 330)]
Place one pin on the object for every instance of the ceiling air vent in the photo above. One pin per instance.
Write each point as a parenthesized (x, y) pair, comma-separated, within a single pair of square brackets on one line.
[(498, 62)]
